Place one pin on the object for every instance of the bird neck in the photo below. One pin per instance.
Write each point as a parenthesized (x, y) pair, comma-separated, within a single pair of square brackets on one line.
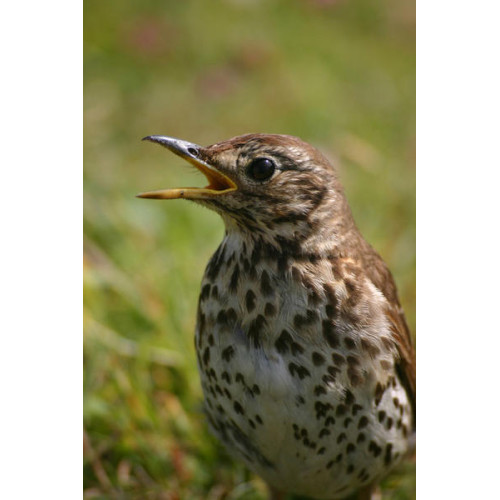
[(329, 230)]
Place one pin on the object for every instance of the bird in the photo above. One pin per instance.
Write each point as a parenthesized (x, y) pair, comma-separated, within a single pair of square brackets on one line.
[(304, 353)]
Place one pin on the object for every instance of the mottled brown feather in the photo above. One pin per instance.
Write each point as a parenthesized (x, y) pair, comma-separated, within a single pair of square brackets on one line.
[(379, 274)]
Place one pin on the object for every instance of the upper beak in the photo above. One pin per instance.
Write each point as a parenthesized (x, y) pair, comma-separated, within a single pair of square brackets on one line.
[(219, 183)]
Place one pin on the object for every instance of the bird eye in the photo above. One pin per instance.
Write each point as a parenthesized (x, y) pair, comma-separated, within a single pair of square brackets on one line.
[(261, 169)]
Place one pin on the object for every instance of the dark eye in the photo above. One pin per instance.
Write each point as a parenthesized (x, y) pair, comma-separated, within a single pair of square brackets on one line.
[(261, 169)]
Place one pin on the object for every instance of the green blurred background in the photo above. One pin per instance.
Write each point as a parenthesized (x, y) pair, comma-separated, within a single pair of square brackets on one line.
[(339, 74)]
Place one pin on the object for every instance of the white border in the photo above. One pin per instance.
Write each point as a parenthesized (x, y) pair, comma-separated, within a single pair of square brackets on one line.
[(458, 249), (40, 253)]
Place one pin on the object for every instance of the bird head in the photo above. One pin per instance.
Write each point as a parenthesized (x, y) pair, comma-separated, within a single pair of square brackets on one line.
[(259, 182)]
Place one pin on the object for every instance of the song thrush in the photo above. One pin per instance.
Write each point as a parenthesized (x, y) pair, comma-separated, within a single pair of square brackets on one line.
[(304, 353)]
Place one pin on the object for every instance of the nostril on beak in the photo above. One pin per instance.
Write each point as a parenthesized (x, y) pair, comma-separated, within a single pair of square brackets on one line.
[(193, 151)]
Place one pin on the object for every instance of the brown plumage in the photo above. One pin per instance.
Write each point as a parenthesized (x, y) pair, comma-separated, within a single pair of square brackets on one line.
[(304, 353)]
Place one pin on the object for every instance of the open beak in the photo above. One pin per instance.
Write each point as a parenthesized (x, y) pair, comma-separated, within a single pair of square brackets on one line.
[(218, 183)]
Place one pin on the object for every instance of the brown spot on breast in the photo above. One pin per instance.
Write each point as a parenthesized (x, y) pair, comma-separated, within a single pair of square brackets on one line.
[(330, 311), (283, 341), (221, 317), (215, 292), (379, 392), (228, 353), (355, 409), (299, 321), (318, 390), (256, 254), (296, 349), (329, 421), (352, 361), (206, 356), (238, 408), (363, 422), (270, 310), (355, 377), (341, 410), (205, 292), (353, 292), (324, 432), (370, 348), (330, 334), (255, 329), (215, 263), (349, 343), (348, 397), (233, 284), (342, 437), (317, 359), (350, 448), (385, 364), (321, 409), (388, 343), (388, 453), (300, 371), (250, 300), (338, 359), (330, 295), (374, 448)]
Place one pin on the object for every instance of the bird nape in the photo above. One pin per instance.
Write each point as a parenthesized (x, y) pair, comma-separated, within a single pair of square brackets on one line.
[(304, 354)]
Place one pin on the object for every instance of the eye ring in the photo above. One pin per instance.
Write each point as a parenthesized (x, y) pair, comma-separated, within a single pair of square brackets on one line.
[(261, 169)]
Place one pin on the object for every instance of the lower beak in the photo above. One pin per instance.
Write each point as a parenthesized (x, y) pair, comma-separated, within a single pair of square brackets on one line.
[(218, 183)]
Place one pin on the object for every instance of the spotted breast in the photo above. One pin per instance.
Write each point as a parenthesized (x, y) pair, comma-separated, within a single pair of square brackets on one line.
[(305, 357), (312, 407)]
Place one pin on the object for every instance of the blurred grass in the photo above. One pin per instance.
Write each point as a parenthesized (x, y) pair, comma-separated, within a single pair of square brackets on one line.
[(339, 74)]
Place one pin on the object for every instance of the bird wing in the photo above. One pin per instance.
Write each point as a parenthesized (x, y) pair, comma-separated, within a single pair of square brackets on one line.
[(405, 366), (381, 277)]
